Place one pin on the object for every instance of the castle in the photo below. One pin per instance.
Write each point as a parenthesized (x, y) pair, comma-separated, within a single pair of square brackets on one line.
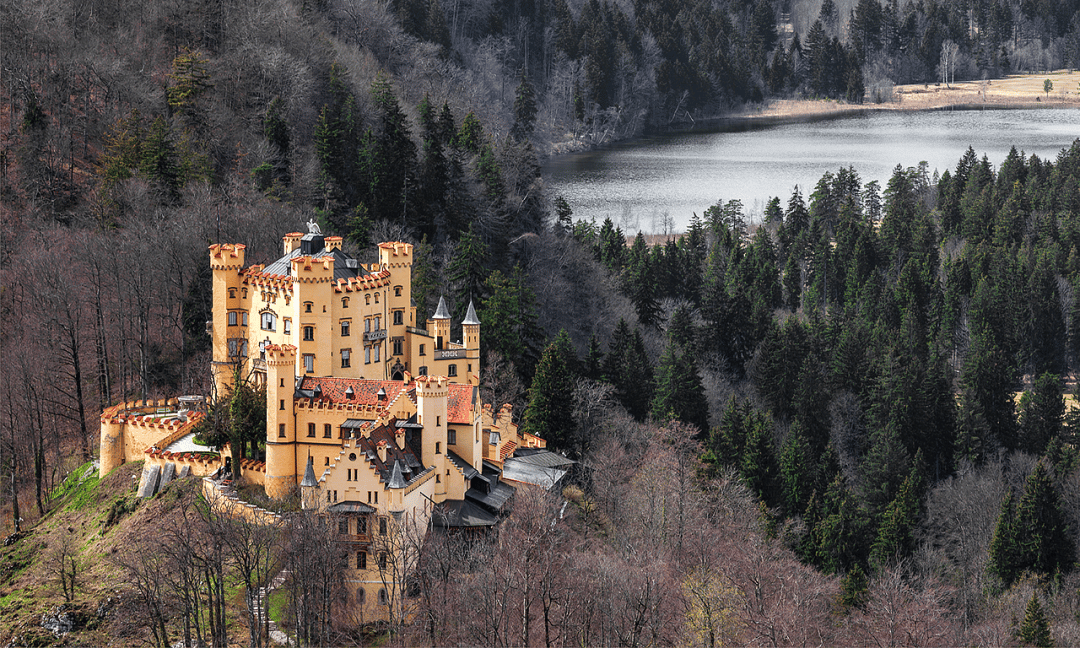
[(377, 422)]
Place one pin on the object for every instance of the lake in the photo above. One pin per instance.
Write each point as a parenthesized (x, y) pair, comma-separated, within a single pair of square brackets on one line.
[(655, 184)]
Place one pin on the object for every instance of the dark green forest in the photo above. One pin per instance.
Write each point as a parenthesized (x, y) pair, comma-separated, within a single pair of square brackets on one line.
[(870, 396)]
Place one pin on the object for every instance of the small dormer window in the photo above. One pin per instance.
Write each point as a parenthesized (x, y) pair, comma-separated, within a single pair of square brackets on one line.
[(349, 393)]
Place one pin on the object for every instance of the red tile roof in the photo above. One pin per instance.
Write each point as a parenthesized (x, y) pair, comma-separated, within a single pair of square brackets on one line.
[(460, 403), (365, 392)]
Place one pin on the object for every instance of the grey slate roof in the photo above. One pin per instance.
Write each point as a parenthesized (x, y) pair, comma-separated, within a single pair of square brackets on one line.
[(470, 315), (496, 500), (441, 312), (540, 457), (283, 266), (397, 480), (457, 514), (309, 476), (462, 465)]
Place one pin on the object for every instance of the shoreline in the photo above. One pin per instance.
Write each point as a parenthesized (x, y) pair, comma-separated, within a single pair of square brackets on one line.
[(1014, 92)]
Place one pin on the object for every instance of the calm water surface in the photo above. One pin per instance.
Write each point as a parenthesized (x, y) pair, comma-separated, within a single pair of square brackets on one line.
[(649, 182)]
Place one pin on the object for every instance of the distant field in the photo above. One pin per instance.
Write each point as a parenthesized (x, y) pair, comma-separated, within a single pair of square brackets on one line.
[(1020, 90)]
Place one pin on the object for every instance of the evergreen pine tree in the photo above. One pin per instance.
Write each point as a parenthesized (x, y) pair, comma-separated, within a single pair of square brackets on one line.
[(1035, 631), (1041, 412), (896, 534), (639, 282), (758, 465), (549, 413), (594, 359), (679, 392)]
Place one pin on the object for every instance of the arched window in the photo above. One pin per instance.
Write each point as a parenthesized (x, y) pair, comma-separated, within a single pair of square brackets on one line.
[(382, 596), (344, 302)]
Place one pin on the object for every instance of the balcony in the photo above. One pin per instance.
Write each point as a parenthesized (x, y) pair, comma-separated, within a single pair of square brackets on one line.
[(371, 336)]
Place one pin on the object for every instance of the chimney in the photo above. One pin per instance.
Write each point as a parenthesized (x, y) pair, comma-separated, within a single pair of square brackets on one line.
[(382, 450), (399, 436), (291, 241)]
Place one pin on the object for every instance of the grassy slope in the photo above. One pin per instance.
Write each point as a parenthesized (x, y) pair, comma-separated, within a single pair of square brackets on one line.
[(101, 515)]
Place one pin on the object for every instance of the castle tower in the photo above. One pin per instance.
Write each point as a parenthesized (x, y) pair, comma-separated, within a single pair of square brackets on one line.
[(111, 444), (313, 291), (226, 263), (470, 333), (431, 397), (439, 324), (280, 428)]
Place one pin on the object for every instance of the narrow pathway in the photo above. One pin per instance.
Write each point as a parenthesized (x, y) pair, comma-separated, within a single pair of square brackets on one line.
[(277, 637)]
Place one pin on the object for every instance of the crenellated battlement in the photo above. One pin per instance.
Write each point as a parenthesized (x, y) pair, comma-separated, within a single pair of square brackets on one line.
[(306, 269), (395, 254), (280, 355), (227, 256)]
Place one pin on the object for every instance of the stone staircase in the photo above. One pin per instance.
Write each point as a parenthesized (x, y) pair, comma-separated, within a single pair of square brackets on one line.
[(277, 637)]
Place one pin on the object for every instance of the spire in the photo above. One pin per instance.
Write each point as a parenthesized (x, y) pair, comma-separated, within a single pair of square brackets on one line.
[(397, 480), (470, 315), (309, 476), (441, 312)]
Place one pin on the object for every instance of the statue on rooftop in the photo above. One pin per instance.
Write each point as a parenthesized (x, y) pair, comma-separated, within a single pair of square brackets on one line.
[(313, 227)]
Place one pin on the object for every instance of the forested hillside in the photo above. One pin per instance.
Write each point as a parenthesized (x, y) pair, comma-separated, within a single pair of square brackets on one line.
[(864, 398)]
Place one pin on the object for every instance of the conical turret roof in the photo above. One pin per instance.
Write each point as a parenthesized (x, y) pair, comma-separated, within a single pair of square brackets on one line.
[(441, 312), (470, 315), (309, 476)]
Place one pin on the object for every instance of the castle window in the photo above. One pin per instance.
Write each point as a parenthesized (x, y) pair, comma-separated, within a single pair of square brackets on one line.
[(311, 430), (451, 370), (367, 326), (344, 302), (232, 318), (243, 318), (269, 322), (437, 480), (367, 299), (376, 298), (397, 347), (382, 520), (345, 328), (399, 318), (376, 348), (288, 327), (281, 428), (345, 358), (309, 363), (327, 430), (361, 525), (307, 307), (397, 291), (361, 563), (232, 293), (243, 293), (367, 355), (382, 565), (282, 405), (343, 526), (309, 333), (382, 596), (438, 449), (326, 461), (494, 437), (422, 350), (422, 371), (451, 437), (378, 321)]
